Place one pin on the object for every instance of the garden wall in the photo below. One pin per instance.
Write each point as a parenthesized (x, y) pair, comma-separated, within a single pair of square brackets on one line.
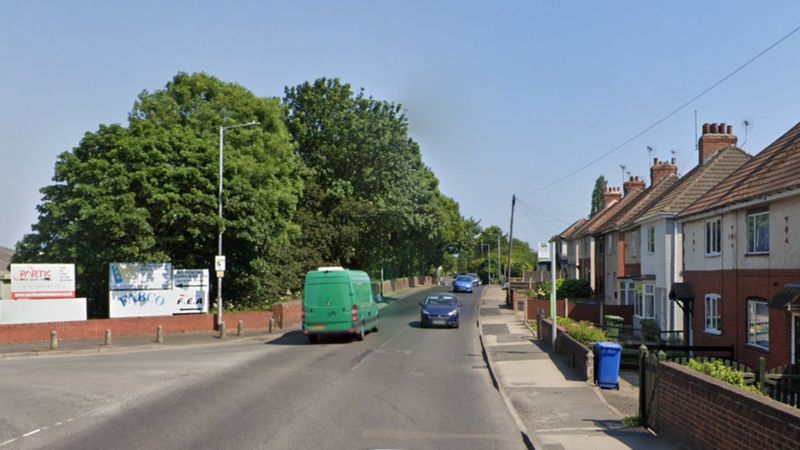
[(705, 413), (578, 357)]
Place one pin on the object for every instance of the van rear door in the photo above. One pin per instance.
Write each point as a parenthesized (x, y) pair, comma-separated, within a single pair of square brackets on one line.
[(328, 304)]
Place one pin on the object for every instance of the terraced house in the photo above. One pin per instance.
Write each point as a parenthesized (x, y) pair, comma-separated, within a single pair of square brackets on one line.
[(741, 258)]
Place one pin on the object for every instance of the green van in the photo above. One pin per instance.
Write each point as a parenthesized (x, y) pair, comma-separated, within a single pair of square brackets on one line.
[(338, 301)]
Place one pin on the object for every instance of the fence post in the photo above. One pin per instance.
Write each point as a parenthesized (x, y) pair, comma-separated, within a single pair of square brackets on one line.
[(643, 383), (662, 356), (762, 375)]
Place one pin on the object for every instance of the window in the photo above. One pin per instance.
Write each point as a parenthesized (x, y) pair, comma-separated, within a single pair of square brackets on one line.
[(635, 243), (758, 233), (645, 302), (651, 239), (758, 323), (713, 237), (628, 292), (713, 314)]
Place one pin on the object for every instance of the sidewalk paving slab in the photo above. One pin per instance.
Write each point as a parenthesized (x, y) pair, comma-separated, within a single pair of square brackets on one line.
[(552, 405)]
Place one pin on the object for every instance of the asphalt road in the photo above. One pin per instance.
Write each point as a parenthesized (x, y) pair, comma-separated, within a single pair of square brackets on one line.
[(403, 387)]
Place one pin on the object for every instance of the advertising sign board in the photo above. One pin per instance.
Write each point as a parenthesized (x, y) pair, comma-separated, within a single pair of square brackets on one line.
[(135, 276), (544, 252), (191, 290), (42, 281)]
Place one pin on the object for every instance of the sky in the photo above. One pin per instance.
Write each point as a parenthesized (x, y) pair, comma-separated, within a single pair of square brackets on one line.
[(504, 97)]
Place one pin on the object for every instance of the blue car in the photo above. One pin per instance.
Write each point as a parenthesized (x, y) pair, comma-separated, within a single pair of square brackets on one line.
[(463, 283), (440, 309)]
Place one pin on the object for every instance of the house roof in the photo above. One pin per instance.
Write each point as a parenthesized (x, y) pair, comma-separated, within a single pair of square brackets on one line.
[(591, 224), (697, 182), (5, 258), (776, 169), (608, 214), (567, 234), (645, 202)]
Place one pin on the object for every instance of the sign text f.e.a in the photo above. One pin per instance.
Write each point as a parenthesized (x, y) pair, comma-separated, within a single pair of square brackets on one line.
[(42, 281)]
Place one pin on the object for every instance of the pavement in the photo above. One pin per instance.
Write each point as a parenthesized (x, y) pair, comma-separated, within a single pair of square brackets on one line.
[(548, 400)]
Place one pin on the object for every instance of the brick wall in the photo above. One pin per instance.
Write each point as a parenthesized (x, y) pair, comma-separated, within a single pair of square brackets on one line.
[(735, 287), (580, 310), (704, 413), (133, 326), (578, 357)]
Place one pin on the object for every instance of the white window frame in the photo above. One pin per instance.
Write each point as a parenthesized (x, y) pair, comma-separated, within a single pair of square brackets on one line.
[(651, 240), (713, 237), (644, 306), (712, 313), (627, 289), (753, 239), (757, 325)]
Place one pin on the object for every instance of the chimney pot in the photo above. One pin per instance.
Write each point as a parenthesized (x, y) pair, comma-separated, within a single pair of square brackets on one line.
[(729, 130), (706, 128), (672, 161), (714, 128), (720, 136)]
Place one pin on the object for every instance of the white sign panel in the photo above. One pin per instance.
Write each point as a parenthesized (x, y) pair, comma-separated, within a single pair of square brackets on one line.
[(42, 281), (544, 252), (191, 290), (40, 311), (219, 263), (141, 303), (134, 276)]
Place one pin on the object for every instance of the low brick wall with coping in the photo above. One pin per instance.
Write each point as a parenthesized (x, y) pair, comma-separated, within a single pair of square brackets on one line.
[(578, 357), (705, 413)]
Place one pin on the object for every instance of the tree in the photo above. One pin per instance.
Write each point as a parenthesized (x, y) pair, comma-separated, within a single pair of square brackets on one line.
[(598, 201), (369, 201), (148, 193)]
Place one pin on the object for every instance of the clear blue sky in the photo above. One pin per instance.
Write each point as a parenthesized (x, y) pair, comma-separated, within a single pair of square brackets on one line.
[(503, 97)]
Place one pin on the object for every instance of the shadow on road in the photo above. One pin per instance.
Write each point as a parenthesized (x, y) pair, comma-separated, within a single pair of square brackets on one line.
[(298, 338)]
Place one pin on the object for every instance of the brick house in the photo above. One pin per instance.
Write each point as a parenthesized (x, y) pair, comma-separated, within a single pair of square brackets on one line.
[(661, 236), (570, 249), (741, 257)]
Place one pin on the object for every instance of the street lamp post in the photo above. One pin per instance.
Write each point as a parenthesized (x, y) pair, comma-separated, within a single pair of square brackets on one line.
[(220, 274), (488, 262)]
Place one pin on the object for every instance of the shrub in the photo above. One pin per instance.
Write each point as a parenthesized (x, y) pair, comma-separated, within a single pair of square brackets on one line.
[(564, 321), (650, 330), (574, 289), (722, 372), (586, 333)]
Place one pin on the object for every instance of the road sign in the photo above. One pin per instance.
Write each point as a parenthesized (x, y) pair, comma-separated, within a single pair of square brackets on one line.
[(219, 263)]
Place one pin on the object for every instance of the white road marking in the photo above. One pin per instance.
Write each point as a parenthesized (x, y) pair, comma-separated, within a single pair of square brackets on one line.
[(8, 442), (32, 432), (58, 424)]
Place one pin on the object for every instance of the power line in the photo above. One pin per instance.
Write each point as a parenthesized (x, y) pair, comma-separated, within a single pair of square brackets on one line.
[(672, 113)]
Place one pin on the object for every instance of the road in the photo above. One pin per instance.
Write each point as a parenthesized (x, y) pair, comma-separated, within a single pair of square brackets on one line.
[(403, 387)]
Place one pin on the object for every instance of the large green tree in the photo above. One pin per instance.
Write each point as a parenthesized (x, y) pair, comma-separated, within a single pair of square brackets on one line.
[(369, 200), (598, 201), (147, 192)]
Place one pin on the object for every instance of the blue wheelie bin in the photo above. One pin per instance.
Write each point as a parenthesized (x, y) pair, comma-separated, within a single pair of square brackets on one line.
[(608, 355)]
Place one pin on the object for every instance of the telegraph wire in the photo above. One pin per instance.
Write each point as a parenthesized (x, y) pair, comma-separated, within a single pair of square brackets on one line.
[(672, 113)]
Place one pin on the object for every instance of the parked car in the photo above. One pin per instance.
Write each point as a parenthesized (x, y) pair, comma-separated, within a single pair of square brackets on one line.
[(476, 280), (440, 309), (338, 301), (463, 284)]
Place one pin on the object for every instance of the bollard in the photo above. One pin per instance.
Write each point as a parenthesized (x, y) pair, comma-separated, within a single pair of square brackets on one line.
[(108, 337), (53, 340), (240, 328), (159, 334), (271, 324), (222, 330)]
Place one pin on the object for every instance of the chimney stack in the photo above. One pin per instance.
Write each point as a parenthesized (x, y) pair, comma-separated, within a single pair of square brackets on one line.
[(635, 183), (715, 137), (611, 195), (662, 169)]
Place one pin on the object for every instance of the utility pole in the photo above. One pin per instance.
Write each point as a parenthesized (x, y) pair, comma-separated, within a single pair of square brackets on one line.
[(509, 299), (499, 264)]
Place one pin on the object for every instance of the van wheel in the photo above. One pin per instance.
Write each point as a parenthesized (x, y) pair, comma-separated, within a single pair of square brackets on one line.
[(313, 338)]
